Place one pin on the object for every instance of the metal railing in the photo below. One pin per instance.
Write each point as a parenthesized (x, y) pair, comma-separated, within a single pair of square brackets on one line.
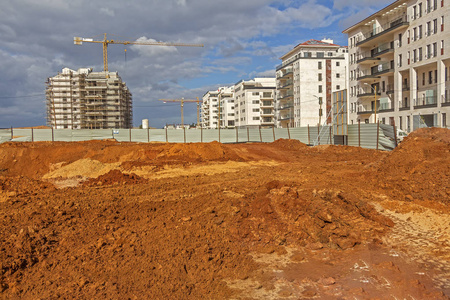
[(383, 28)]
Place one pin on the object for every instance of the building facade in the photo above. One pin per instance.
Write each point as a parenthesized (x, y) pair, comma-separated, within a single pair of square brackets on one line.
[(306, 80), (399, 67), (88, 100), (248, 103), (254, 103)]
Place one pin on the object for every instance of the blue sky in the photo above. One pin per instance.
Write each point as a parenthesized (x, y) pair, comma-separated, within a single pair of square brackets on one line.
[(243, 40)]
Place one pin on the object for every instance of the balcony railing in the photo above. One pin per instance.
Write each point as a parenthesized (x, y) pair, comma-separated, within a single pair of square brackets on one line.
[(284, 107), (284, 74), (365, 92), (445, 101), (285, 95), (382, 49), (383, 68), (285, 84), (285, 117), (404, 20), (425, 101)]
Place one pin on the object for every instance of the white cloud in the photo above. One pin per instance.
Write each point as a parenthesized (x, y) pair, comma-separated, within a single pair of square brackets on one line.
[(107, 11)]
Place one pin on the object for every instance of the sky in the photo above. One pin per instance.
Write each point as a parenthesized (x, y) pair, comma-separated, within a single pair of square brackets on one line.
[(242, 39)]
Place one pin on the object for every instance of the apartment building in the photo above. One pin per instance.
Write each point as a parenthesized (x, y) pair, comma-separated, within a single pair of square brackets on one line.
[(246, 104), (306, 80), (213, 101), (85, 99), (399, 67), (254, 103)]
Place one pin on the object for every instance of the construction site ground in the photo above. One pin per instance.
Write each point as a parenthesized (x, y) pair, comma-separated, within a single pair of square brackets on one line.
[(109, 220)]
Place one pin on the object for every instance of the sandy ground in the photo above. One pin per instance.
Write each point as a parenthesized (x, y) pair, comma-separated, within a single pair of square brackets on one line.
[(112, 220)]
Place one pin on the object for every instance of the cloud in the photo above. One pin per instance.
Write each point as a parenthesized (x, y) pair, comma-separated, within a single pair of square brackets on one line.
[(107, 11)]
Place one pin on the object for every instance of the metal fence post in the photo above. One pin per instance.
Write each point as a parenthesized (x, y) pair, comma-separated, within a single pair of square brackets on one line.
[(32, 134), (248, 136), (260, 136), (329, 127), (167, 137), (289, 133), (359, 133), (237, 135), (378, 132), (53, 135), (309, 137), (273, 131), (184, 134), (148, 135), (201, 134), (318, 133), (395, 136), (130, 135)]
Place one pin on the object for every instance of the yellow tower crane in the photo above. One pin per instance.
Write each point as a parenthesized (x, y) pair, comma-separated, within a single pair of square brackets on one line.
[(182, 100), (105, 42)]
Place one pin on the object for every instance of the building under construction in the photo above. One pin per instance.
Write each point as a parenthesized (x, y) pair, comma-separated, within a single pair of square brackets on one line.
[(88, 100)]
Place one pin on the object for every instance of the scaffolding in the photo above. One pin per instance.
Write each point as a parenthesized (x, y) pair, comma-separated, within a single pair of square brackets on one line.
[(88, 100)]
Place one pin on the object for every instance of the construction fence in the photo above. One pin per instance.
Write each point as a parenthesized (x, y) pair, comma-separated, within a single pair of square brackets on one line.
[(371, 136)]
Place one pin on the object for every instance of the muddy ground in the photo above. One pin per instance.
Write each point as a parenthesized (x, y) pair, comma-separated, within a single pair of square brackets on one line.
[(109, 220)]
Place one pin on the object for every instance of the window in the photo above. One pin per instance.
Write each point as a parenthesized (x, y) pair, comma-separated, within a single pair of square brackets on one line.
[(435, 26), (320, 54), (420, 53), (420, 32), (442, 23), (255, 118), (420, 10), (442, 47), (255, 110), (255, 102), (338, 87), (428, 55), (423, 78), (434, 49), (255, 94), (430, 77), (414, 34), (319, 65), (414, 12), (399, 60), (400, 40), (320, 89), (330, 53), (435, 76), (338, 64), (320, 77), (428, 28), (338, 75)]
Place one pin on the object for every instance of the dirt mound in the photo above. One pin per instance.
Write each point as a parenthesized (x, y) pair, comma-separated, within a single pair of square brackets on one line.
[(423, 160), (115, 177), (213, 151), (289, 144), (11, 187), (291, 216)]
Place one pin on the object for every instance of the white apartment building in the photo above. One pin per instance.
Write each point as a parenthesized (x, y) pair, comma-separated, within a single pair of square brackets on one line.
[(399, 67), (254, 103), (211, 106), (248, 103), (306, 80), (88, 100)]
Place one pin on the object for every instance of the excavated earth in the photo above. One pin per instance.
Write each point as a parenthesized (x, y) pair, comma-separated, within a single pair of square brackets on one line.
[(109, 220)]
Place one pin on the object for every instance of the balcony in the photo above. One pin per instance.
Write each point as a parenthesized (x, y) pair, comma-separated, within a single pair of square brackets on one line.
[(383, 50), (445, 100), (365, 75), (374, 34), (365, 58), (404, 105), (285, 85), (367, 92), (287, 74), (285, 107), (425, 102), (285, 117), (385, 107), (286, 96), (384, 69)]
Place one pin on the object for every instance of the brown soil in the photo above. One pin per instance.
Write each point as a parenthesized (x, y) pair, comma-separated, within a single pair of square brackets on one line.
[(103, 219)]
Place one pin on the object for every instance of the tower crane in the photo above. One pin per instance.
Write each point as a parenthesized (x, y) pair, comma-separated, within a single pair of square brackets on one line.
[(182, 100), (105, 42)]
